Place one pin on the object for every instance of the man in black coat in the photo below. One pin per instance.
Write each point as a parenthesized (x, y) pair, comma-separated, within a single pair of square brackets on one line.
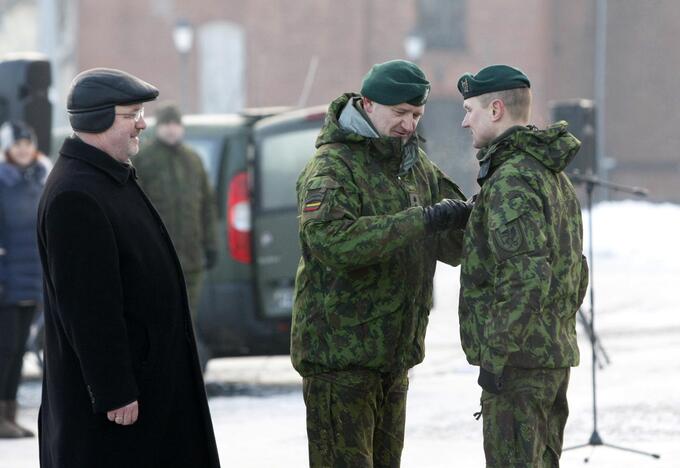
[(122, 385)]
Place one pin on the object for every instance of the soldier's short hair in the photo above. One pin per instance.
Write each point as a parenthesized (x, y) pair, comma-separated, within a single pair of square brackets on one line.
[(517, 101)]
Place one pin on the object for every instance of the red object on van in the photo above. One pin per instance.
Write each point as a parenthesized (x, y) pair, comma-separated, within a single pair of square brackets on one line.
[(239, 226)]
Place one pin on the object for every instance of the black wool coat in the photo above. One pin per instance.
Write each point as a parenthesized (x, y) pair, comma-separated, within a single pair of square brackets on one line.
[(117, 325)]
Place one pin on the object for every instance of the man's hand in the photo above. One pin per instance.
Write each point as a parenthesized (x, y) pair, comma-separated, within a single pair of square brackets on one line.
[(126, 415), (447, 214)]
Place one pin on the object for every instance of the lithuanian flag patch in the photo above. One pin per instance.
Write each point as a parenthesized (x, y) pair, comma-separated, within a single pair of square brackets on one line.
[(313, 201)]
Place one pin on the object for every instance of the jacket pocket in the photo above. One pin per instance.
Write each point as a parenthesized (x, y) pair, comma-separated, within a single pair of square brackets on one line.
[(141, 345), (359, 297)]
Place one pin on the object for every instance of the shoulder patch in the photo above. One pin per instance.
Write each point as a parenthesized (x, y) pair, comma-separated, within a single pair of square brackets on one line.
[(509, 237), (313, 201)]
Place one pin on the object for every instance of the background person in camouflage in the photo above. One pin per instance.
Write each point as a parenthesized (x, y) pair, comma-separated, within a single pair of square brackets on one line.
[(523, 275), (375, 216), (173, 177)]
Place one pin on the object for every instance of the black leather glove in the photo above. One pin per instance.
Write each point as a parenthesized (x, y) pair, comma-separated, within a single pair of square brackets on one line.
[(210, 259), (447, 214), (492, 383)]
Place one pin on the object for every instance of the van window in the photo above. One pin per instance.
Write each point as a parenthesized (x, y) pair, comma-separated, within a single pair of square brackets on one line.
[(209, 151), (282, 158)]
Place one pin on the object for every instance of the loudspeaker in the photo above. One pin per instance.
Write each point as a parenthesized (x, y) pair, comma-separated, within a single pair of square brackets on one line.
[(24, 84), (580, 114)]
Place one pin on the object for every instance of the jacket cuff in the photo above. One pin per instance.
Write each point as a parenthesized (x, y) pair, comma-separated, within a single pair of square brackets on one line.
[(413, 221), (107, 398)]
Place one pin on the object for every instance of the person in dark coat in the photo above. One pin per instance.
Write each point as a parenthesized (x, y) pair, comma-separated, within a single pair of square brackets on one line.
[(122, 385), (22, 178)]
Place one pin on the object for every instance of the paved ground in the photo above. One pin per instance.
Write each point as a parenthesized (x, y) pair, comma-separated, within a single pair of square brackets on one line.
[(259, 415)]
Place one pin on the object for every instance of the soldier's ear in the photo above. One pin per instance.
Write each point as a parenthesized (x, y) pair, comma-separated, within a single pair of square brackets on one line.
[(497, 110), (367, 104)]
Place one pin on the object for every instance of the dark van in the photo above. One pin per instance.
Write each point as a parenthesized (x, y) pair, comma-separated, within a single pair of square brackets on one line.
[(253, 163)]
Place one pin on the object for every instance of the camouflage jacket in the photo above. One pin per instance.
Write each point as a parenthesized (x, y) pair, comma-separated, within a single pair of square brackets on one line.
[(176, 183), (523, 275), (363, 289)]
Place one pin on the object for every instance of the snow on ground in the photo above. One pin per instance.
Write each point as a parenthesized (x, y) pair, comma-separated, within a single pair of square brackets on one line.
[(259, 413)]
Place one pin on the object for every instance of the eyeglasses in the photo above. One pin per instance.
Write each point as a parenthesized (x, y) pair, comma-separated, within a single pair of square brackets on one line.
[(136, 116)]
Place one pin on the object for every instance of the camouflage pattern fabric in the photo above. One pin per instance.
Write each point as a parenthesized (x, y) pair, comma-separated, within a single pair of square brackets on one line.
[(524, 425), (363, 288), (175, 181), (523, 278), (523, 275), (194, 281), (355, 419)]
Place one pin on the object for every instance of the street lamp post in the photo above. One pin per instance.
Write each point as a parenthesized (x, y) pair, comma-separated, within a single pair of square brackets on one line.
[(183, 37), (414, 46)]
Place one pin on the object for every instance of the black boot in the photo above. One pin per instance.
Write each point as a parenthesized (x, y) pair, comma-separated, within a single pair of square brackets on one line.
[(11, 417), (7, 429)]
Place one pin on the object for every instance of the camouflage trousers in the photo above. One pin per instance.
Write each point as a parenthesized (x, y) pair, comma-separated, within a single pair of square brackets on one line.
[(194, 282), (524, 425), (355, 419)]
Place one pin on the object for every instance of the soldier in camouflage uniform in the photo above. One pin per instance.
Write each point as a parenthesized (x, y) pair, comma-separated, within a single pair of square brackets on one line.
[(173, 177), (375, 216), (523, 275)]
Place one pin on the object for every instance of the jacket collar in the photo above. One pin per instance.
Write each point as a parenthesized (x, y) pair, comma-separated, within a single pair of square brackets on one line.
[(75, 148), (354, 119), (487, 161)]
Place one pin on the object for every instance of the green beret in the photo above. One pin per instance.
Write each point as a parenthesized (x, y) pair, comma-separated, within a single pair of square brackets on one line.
[(395, 82), (490, 79), (168, 112)]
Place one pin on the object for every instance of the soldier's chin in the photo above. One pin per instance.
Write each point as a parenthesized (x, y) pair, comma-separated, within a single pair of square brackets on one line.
[(404, 136)]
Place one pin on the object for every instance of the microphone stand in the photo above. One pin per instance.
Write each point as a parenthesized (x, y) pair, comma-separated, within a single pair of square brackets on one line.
[(590, 181)]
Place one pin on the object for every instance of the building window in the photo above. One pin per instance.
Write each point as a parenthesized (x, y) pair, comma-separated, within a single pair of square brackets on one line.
[(443, 23)]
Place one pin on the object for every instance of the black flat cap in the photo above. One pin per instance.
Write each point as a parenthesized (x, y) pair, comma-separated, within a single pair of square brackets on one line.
[(95, 93), (491, 79)]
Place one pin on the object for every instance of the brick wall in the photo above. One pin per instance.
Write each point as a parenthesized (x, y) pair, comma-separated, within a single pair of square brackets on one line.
[(552, 41)]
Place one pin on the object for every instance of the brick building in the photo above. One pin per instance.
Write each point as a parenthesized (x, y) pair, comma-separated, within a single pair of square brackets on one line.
[(291, 52)]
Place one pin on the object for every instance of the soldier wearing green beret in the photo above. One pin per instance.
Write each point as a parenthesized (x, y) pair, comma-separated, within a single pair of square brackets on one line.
[(173, 177), (523, 275), (375, 216)]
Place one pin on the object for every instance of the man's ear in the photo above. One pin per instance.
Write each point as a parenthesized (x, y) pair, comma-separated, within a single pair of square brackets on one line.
[(497, 110), (367, 104)]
